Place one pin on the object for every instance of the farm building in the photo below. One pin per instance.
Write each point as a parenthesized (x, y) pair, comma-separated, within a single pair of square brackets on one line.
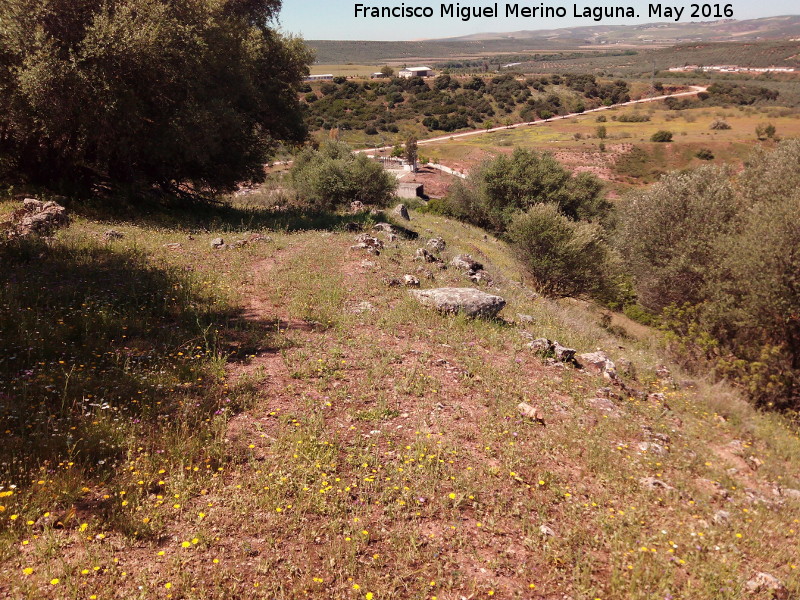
[(326, 77), (416, 72)]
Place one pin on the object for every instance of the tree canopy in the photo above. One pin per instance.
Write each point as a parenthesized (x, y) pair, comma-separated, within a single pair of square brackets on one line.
[(146, 91)]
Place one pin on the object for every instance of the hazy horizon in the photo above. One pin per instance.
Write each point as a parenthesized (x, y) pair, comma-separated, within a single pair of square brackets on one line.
[(326, 20)]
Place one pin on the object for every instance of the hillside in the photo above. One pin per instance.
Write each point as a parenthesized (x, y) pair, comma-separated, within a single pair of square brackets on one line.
[(670, 32), (268, 420), (587, 39)]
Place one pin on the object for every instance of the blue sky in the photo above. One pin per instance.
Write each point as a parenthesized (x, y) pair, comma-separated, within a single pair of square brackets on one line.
[(334, 19)]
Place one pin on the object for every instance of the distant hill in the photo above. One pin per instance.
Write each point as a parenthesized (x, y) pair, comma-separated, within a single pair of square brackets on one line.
[(667, 33), (597, 38)]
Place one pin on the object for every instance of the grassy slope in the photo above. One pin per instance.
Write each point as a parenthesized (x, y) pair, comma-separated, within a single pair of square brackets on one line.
[(260, 440)]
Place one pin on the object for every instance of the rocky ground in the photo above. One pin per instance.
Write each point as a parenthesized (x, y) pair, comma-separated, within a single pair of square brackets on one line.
[(358, 435)]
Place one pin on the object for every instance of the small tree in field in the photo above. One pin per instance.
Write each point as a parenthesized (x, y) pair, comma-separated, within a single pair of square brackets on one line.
[(602, 132)]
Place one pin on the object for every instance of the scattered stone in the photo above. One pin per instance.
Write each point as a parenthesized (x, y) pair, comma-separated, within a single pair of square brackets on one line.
[(541, 346), (173, 246), (466, 263), (111, 235), (652, 483), (384, 227), (362, 307), (651, 435), (546, 531), (736, 447), (663, 372), (530, 412), (563, 353), (402, 212), (392, 281), (410, 281), (425, 256), (255, 238), (469, 301), (652, 448), (627, 368), (754, 462), (525, 318), (426, 273), (217, 243), (391, 237), (656, 397), (480, 276), (600, 363), (353, 227), (36, 218), (367, 239), (357, 206), (722, 517), (239, 244), (436, 245), (604, 404), (368, 264), (764, 582), (790, 493)]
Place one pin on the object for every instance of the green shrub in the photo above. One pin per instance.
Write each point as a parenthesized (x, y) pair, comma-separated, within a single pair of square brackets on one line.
[(633, 118), (564, 257), (667, 234), (332, 177), (506, 185), (661, 136), (705, 154), (719, 124), (720, 261)]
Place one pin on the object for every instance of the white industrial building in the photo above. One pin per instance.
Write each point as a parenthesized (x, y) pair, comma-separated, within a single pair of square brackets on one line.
[(416, 72), (326, 77)]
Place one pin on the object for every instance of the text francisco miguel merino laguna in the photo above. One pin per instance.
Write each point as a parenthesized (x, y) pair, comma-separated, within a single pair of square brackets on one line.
[(540, 11)]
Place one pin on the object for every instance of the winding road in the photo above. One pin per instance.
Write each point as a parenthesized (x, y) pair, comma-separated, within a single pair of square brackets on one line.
[(696, 89)]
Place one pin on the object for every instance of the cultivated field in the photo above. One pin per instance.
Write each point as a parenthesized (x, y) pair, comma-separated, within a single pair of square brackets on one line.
[(575, 140)]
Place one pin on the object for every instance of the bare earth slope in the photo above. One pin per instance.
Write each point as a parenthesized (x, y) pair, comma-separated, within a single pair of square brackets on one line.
[(373, 449)]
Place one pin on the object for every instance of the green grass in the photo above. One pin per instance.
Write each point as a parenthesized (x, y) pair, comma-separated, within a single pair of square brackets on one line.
[(261, 439)]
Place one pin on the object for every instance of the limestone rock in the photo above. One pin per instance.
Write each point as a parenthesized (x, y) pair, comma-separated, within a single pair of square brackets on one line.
[(469, 301), (652, 483), (410, 281), (425, 256), (217, 243), (37, 218), (764, 582), (402, 212), (466, 263), (384, 227), (436, 245), (480, 276), (530, 412), (368, 240), (598, 362), (356, 206)]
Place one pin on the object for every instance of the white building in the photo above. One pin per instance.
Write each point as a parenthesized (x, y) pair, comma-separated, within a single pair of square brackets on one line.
[(416, 72), (326, 77)]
